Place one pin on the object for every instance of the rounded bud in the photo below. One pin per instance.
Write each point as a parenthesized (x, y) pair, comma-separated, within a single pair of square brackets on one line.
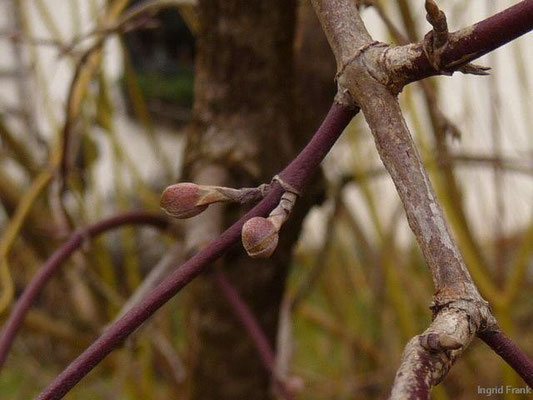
[(180, 200), (259, 237)]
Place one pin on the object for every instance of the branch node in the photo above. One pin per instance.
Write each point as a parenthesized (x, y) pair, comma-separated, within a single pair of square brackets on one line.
[(285, 185), (357, 54)]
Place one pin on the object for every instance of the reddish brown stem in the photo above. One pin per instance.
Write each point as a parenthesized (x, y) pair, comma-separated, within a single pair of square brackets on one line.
[(250, 323), (55, 261), (510, 352), (473, 42), (246, 317), (297, 173)]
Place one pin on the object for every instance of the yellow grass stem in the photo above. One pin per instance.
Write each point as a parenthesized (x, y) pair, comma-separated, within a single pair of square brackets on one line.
[(12, 230)]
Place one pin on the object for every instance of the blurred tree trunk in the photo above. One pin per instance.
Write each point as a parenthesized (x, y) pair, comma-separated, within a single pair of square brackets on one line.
[(241, 135)]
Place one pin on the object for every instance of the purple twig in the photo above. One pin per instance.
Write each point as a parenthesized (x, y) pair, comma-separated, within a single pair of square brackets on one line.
[(297, 173), (510, 352), (473, 42), (257, 334), (57, 258), (244, 314)]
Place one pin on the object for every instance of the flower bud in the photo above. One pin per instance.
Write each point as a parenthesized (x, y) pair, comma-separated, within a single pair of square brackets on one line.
[(180, 200), (259, 237)]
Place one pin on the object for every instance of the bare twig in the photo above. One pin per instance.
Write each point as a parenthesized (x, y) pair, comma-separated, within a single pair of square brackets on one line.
[(297, 173), (410, 63), (156, 275), (132, 19), (54, 262), (510, 352)]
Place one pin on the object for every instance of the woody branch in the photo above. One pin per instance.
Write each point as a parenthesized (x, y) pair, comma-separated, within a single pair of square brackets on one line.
[(370, 74)]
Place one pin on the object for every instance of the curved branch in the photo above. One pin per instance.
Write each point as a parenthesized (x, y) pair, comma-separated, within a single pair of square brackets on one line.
[(242, 311), (250, 323), (297, 173), (57, 258)]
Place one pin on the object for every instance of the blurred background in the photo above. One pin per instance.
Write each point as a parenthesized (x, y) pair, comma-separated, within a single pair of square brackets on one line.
[(135, 87)]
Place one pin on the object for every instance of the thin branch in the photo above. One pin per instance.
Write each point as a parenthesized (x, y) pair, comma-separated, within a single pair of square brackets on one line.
[(156, 275), (459, 160), (410, 63), (370, 77), (250, 323), (510, 352), (131, 19), (453, 199), (297, 173), (244, 314), (22, 152), (396, 149), (57, 258), (88, 63)]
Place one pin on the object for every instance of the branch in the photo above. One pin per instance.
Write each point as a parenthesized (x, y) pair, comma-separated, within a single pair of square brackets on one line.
[(428, 357), (297, 173), (410, 63), (244, 314), (510, 352), (370, 75), (398, 152), (250, 323), (54, 262)]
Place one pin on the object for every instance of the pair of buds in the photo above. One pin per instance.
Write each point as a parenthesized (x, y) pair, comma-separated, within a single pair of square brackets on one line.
[(259, 235)]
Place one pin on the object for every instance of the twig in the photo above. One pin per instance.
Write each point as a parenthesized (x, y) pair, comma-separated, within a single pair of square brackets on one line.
[(297, 173), (244, 314), (21, 151), (79, 84), (509, 352), (54, 262), (156, 275), (257, 334), (409, 63)]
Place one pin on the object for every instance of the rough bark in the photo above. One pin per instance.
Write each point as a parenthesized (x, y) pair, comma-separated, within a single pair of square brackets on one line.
[(240, 136)]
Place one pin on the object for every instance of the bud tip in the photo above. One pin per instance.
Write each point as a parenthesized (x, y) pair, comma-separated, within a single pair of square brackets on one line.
[(259, 237), (180, 200)]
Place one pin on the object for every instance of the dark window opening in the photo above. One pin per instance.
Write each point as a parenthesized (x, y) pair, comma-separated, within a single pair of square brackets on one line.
[(162, 58)]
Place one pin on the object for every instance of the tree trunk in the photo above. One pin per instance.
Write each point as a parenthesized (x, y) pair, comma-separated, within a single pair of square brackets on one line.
[(241, 135)]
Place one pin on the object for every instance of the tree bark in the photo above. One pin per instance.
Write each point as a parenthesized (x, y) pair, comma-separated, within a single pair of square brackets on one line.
[(246, 126), (240, 136)]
